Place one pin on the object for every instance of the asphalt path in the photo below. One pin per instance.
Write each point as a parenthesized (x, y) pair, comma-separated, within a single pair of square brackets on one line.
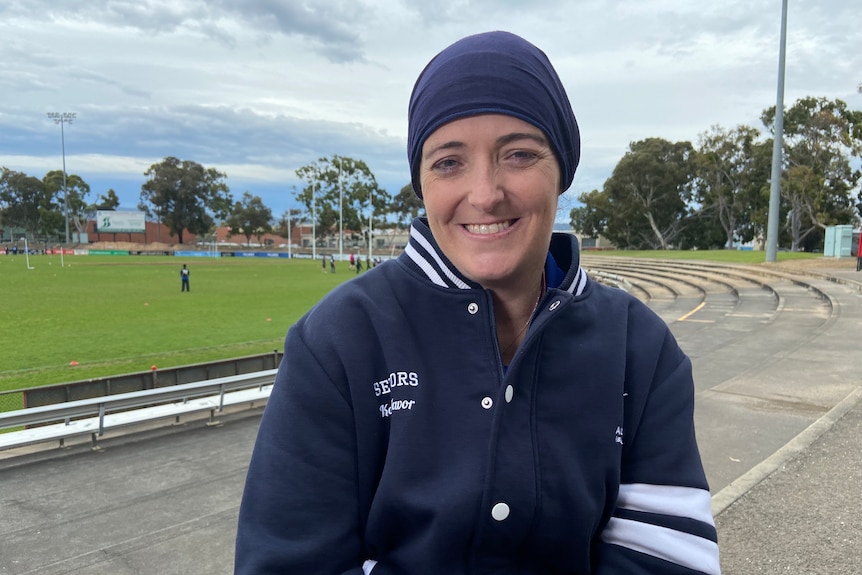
[(777, 412)]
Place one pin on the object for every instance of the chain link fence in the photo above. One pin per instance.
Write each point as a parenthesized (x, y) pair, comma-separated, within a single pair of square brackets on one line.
[(11, 400)]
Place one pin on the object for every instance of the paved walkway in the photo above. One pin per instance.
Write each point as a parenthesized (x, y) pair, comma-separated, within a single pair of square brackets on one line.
[(800, 510)]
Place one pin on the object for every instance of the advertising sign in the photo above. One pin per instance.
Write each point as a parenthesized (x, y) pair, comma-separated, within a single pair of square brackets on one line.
[(109, 221)]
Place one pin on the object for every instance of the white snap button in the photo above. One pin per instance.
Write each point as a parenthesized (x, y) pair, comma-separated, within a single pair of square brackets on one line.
[(487, 402), (554, 305), (500, 511), (473, 308), (510, 393)]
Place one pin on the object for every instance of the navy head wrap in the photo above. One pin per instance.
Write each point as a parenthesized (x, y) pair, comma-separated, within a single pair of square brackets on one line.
[(493, 73)]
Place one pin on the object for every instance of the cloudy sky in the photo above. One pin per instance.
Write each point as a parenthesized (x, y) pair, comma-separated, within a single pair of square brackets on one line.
[(259, 88)]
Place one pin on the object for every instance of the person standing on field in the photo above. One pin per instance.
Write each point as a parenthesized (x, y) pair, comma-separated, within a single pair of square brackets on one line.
[(184, 277)]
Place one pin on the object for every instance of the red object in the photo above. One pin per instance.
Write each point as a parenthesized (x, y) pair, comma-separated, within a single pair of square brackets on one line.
[(73, 362), (152, 367)]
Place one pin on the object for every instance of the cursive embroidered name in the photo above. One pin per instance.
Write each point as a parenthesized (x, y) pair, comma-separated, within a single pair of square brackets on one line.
[(396, 379), (396, 405)]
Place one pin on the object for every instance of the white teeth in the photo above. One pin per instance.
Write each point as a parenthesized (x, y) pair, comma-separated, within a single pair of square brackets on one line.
[(487, 228)]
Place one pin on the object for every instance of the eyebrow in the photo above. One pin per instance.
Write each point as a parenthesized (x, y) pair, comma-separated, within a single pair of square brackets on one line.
[(502, 140), (508, 138)]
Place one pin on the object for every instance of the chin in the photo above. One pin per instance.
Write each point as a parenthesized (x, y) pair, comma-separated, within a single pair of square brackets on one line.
[(488, 273)]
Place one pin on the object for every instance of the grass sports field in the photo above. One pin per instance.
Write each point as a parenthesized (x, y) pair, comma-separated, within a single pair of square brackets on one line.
[(121, 314)]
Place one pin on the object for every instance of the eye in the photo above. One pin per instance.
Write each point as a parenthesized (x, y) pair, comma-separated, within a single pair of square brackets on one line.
[(522, 157), (446, 165)]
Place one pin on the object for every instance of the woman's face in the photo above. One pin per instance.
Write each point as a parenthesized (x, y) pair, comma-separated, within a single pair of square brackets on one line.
[(490, 185)]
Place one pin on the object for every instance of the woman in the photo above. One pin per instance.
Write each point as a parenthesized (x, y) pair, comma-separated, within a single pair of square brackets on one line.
[(489, 409)]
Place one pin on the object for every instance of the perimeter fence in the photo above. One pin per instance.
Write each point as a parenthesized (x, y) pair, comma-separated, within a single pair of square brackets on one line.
[(138, 381)]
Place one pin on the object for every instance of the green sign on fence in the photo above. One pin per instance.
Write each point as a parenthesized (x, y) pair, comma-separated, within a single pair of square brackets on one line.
[(109, 252)]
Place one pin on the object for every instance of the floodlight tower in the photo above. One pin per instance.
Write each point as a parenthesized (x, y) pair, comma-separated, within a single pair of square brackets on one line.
[(775, 183), (63, 118)]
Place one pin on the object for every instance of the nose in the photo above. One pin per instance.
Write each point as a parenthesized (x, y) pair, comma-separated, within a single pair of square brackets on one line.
[(486, 187)]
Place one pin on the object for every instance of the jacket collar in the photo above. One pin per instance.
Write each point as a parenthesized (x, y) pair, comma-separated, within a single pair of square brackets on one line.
[(425, 256)]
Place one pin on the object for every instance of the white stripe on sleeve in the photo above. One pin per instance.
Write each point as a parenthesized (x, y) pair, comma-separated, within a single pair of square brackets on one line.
[(675, 546), (689, 502), (368, 566)]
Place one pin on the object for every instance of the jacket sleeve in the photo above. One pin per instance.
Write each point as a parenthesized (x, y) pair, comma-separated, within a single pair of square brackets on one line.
[(300, 510), (662, 522)]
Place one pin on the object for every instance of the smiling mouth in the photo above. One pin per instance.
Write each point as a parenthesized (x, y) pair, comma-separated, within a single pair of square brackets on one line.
[(488, 229)]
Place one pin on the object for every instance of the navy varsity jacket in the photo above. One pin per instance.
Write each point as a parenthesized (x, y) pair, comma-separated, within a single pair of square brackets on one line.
[(395, 443)]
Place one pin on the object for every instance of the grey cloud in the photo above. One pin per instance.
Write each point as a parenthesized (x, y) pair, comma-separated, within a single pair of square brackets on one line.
[(327, 26), (222, 135), (28, 69)]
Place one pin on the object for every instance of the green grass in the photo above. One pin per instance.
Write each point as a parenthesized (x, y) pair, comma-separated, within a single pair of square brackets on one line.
[(116, 314)]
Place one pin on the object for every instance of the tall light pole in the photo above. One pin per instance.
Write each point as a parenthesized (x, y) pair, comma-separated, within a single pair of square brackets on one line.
[(313, 224), (775, 184), (340, 213), (370, 223), (289, 237), (63, 118)]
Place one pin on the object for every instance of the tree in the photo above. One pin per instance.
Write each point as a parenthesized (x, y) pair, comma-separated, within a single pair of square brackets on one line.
[(107, 201), (406, 205), (820, 137), (645, 202), (185, 196), (77, 190), (287, 222), (593, 216), (732, 171), (26, 204), (250, 217), (345, 181)]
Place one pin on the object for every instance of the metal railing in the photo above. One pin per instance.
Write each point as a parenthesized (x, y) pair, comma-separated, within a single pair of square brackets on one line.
[(136, 381), (93, 416)]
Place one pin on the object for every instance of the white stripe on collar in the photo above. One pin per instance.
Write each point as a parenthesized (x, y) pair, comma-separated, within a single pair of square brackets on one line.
[(579, 283), (425, 265)]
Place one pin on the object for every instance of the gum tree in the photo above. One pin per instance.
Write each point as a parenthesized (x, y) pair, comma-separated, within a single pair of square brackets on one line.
[(344, 180), (185, 195), (821, 137), (249, 217)]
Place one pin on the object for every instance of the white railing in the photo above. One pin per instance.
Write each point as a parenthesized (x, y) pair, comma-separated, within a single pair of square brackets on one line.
[(96, 415)]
